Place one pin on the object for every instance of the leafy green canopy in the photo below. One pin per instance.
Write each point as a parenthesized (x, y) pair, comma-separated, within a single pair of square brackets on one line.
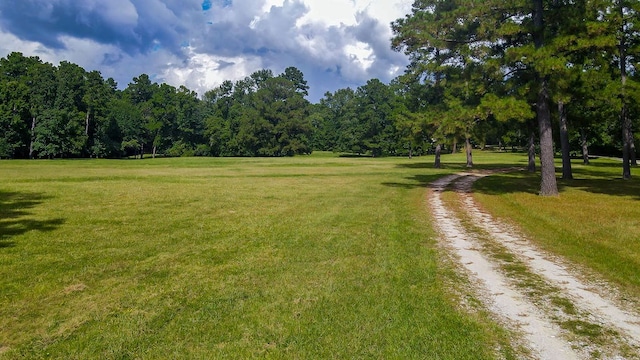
[(477, 61), (64, 111)]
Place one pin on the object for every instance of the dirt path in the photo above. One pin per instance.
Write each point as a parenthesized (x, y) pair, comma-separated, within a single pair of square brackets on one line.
[(561, 297)]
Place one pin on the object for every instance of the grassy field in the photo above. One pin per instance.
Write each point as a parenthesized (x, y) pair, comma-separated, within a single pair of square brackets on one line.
[(595, 222), (306, 257), (309, 257)]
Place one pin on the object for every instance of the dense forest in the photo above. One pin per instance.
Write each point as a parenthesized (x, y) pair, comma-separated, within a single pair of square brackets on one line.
[(503, 74), (49, 111)]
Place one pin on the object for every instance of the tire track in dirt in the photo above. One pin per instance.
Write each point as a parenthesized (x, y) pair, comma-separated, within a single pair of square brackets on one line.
[(544, 337), (585, 296)]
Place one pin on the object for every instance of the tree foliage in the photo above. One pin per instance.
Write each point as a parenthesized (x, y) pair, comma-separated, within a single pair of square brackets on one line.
[(260, 115), (495, 61), (51, 111)]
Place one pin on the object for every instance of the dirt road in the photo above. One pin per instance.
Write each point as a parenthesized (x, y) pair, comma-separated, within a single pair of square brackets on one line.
[(559, 315)]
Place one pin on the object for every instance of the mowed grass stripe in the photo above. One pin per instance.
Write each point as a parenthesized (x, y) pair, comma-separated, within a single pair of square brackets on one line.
[(311, 257)]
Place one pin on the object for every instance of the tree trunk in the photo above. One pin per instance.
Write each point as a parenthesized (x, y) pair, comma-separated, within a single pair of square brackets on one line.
[(410, 152), (632, 151), (33, 136), (548, 183), (454, 146), (626, 142), (438, 151), (531, 167), (86, 123), (467, 147), (585, 146), (567, 174), (153, 154), (627, 137), (141, 151)]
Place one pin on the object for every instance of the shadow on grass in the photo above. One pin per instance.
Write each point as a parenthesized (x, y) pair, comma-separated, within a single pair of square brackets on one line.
[(602, 169), (600, 177), (15, 216), (604, 165), (418, 165), (615, 187), (597, 179), (504, 183), (355, 156), (416, 181), (422, 181), (457, 166)]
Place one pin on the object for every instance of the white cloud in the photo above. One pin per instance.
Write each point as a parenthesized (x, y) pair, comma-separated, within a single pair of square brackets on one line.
[(361, 54), (336, 43), (337, 12), (329, 12), (268, 4), (203, 72), (10, 43), (86, 53)]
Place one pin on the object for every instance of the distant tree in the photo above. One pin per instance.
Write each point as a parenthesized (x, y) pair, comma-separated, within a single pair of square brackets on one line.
[(323, 128), (189, 127), (286, 113), (257, 79), (58, 134), (140, 93), (97, 95), (160, 114), (297, 78), (14, 119), (374, 104), (217, 105), (141, 89), (126, 119), (260, 115), (340, 120), (410, 128), (41, 80)]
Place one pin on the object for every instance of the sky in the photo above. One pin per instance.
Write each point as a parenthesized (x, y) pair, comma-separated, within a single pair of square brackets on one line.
[(200, 43)]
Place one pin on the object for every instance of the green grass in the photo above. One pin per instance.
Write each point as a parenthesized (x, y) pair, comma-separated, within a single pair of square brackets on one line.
[(309, 257), (595, 222)]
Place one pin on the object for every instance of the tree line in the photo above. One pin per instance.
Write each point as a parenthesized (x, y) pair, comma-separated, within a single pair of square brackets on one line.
[(539, 75), (64, 111)]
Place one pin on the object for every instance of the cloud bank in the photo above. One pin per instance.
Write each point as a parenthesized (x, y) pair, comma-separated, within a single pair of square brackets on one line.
[(199, 44)]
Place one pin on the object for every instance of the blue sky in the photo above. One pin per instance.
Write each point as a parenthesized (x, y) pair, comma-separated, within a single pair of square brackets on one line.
[(200, 43)]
